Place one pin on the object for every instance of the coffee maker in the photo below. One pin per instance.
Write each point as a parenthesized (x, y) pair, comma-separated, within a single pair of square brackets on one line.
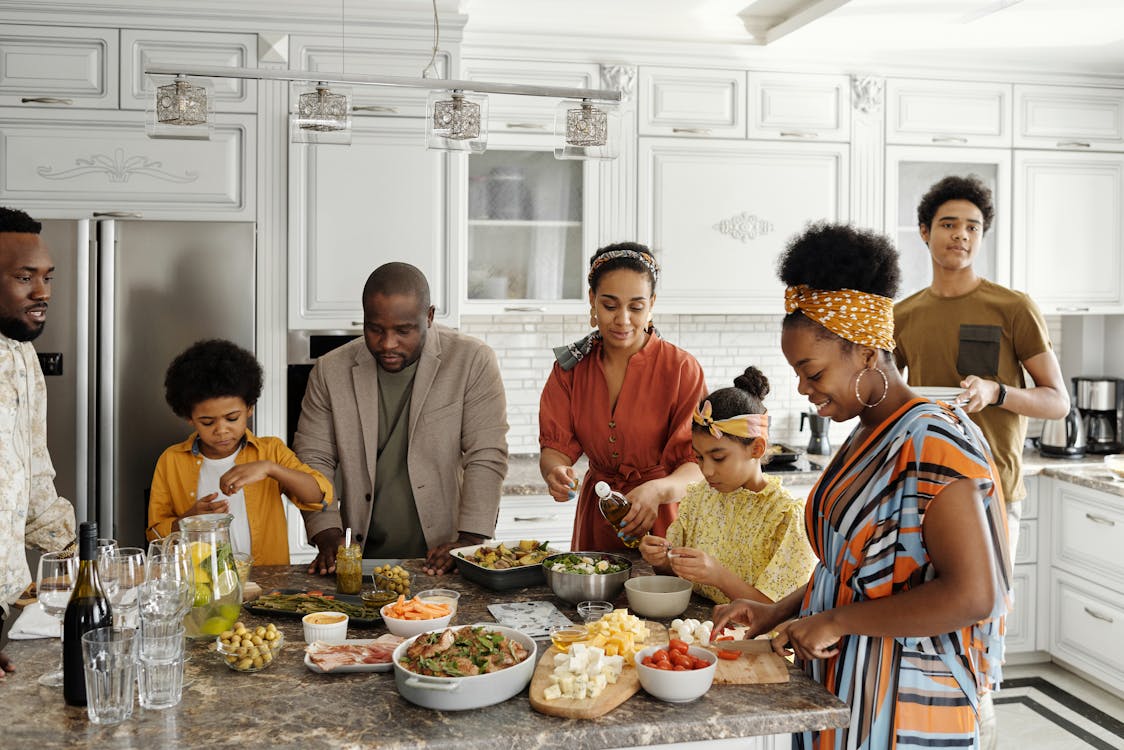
[(818, 443), (1099, 401)]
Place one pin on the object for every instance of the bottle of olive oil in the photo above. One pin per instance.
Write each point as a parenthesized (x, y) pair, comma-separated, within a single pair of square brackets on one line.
[(614, 507), (87, 609)]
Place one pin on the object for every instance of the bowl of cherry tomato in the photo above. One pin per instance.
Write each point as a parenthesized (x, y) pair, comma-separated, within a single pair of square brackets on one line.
[(676, 673)]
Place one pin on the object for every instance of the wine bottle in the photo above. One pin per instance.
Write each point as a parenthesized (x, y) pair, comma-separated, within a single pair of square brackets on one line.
[(614, 507), (87, 609)]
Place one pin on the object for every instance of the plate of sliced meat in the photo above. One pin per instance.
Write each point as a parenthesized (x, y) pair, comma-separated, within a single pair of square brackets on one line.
[(356, 655)]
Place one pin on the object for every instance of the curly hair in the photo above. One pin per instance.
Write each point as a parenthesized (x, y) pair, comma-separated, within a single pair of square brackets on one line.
[(14, 220), (953, 188), (616, 264), (838, 256), (745, 397), (214, 368)]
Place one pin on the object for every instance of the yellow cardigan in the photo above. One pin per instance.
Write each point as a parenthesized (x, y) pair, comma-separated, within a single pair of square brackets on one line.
[(177, 477)]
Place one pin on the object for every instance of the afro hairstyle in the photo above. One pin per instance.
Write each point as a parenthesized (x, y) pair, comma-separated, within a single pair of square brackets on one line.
[(215, 368)]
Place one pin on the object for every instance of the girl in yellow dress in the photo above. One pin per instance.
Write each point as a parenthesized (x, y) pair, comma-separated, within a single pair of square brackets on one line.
[(739, 534)]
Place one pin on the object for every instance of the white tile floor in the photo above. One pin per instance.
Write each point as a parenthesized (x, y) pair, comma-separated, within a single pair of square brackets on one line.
[(1022, 728)]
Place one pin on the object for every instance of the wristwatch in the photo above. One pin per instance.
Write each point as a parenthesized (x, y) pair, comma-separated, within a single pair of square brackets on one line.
[(1001, 397)]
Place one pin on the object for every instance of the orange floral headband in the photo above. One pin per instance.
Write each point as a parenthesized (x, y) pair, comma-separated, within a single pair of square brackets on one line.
[(860, 317), (743, 425)]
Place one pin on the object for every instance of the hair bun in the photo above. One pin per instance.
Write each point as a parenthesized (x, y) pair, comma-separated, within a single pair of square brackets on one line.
[(753, 382)]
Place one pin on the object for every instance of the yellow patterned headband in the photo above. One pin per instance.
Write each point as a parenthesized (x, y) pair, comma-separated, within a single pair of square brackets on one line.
[(743, 425), (645, 259), (860, 317)]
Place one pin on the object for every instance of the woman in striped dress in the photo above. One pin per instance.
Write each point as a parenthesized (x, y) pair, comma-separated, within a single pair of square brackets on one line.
[(903, 616)]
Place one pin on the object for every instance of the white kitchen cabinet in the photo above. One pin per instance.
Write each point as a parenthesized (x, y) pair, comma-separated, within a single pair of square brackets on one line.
[(1069, 118), (352, 208), (66, 160), (910, 172), (719, 213), (1088, 534), (1087, 627), (54, 66), (140, 49), (527, 114), (798, 106), (693, 102), (948, 113), (537, 517), (1021, 622), (1069, 230)]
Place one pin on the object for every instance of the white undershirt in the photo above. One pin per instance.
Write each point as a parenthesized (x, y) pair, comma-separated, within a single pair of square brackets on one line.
[(209, 475)]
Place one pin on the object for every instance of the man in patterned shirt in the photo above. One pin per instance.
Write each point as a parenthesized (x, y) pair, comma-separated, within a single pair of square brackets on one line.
[(31, 512)]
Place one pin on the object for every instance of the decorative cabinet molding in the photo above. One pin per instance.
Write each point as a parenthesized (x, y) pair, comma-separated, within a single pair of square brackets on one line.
[(528, 114), (1069, 118), (53, 66), (65, 161), (948, 113), (1021, 621), (693, 102), (1070, 266), (384, 198), (796, 106), (718, 213), (142, 48)]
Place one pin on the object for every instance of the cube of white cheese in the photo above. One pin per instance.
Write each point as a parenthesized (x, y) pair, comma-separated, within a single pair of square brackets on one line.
[(567, 686), (561, 660), (579, 661), (552, 693), (581, 686)]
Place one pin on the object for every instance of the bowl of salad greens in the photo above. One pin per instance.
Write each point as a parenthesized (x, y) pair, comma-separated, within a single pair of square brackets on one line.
[(578, 576)]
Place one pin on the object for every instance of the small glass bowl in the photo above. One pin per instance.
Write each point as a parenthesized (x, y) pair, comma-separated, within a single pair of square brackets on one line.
[(236, 658), (564, 636), (593, 610), (441, 596)]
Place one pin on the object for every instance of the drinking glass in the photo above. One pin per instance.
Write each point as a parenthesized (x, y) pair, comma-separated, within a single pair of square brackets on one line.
[(160, 663), (109, 657), (124, 569), (54, 582), (174, 565)]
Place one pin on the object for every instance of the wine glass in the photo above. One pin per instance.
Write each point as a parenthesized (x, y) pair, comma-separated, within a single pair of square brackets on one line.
[(54, 583), (125, 569)]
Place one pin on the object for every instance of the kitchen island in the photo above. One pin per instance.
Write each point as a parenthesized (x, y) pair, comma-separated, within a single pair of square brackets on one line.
[(287, 705)]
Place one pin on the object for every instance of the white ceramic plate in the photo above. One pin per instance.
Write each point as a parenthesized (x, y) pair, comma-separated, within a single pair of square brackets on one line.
[(350, 667), (944, 393)]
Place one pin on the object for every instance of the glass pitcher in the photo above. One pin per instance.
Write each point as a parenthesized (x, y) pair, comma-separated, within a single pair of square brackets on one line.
[(218, 590)]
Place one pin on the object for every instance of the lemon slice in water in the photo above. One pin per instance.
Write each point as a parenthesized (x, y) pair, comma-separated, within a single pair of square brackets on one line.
[(226, 583)]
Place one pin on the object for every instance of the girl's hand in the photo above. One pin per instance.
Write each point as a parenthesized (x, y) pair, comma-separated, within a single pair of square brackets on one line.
[(695, 565), (812, 637), (207, 504), (654, 550), (243, 474), (641, 516), (761, 618), (562, 483)]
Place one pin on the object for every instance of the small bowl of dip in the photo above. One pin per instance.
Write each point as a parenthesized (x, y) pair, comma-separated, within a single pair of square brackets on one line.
[(441, 596), (327, 627)]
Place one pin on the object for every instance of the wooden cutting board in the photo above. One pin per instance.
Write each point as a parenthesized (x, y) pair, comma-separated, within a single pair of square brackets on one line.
[(627, 685), (761, 666)]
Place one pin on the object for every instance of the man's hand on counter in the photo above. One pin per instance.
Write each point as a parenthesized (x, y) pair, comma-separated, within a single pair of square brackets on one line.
[(327, 541), (438, 561)]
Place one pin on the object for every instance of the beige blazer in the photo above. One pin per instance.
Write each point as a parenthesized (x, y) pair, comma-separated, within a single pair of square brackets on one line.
[(458, 436)]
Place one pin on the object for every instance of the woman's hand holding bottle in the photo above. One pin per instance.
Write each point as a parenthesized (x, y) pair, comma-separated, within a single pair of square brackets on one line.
[(646, 501)]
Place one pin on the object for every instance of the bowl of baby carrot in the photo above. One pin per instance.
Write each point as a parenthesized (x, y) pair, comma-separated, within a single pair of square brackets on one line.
[(410, 617)]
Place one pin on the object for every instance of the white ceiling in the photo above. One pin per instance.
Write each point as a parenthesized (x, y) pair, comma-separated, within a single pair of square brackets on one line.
[(1084, 36)]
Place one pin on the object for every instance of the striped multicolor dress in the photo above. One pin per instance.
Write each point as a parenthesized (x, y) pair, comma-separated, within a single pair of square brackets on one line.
[(864, 519)]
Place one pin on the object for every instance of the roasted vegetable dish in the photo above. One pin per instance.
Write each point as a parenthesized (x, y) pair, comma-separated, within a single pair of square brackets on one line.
[(501, 557), (462, 652)]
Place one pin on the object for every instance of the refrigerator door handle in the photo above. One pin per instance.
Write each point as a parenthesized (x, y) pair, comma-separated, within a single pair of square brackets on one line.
[(117, 215), (106, 265)]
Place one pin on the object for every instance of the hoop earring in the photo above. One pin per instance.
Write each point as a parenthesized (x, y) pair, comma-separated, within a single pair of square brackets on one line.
[(885, 386), (592, 318)]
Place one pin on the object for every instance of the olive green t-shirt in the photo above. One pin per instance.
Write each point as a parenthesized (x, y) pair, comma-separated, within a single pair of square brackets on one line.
[(395, 529), (988, 332)]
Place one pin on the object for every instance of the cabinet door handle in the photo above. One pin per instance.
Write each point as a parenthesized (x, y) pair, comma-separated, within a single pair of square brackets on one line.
[(535, 518), (118, 215), (949, 139), (1100, 519), (1074, 144), (1098, 615), (1072, 308), (524, 308), (693, 131), (526, 126), (798, 134), (373, 108), (45, 100), (357, 323)]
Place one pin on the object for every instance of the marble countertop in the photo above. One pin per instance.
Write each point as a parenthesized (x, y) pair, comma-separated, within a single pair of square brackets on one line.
[(1088, 471), (287, 705)]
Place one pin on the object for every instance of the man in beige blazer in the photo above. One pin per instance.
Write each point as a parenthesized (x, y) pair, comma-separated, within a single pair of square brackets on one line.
[(411, 420)]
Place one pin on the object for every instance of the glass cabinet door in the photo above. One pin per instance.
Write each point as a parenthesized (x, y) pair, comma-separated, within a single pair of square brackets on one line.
[(910, 172), (525, 226)]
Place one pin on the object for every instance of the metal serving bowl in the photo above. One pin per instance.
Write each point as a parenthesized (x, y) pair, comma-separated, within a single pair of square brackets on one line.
[(578, 587)]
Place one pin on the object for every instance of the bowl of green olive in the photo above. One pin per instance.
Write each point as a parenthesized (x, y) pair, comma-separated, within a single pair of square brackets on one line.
[(250, 650)]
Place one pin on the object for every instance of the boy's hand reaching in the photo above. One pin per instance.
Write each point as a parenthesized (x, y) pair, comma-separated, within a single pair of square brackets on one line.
[(208, 504), (243, 474)]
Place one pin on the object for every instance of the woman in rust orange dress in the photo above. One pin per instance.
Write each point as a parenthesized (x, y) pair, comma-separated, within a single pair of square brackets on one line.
[(622, 396)]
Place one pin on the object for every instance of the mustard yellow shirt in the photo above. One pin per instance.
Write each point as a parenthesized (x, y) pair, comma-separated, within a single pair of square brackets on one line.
[(177, 476), (758, 536)]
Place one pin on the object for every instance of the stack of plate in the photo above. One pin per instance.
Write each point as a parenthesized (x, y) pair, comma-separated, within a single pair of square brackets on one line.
[(948, 394)]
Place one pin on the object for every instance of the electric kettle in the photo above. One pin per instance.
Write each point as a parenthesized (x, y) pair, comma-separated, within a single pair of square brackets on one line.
[(1065, 437)]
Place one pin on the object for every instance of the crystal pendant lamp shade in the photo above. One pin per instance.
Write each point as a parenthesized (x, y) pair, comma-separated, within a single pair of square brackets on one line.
[(179, 108), (456, 121), (587, 131), (323, 115)]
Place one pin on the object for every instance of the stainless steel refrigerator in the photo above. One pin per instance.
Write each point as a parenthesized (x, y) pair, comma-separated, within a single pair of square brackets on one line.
[(127, 297)]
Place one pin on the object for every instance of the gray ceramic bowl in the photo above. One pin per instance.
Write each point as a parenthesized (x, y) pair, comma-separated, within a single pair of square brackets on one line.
[(578, 587)]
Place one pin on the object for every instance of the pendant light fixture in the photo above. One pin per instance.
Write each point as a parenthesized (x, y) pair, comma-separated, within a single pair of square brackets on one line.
[(323, 114), (456, 121), (586, 130), (180, 109)]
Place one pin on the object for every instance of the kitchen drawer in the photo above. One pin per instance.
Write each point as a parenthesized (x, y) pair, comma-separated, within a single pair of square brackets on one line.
[(1088, 534), (1023, 616), (792, 106), (140, 49), (1069, 117), (536, 517), (693, 102), (1087, 627), (62, 66), (948, 113), (1027, 551), (528, 114), (1030, 502)]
